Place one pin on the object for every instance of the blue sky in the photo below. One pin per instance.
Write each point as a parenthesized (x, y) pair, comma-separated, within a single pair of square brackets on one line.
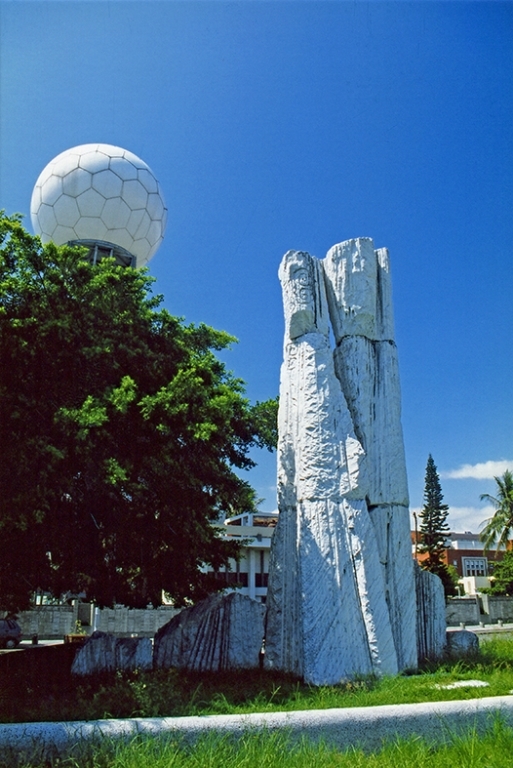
[(299, 124)]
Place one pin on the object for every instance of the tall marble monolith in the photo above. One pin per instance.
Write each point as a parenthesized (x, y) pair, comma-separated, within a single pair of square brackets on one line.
[(359, 293), (341, 597)]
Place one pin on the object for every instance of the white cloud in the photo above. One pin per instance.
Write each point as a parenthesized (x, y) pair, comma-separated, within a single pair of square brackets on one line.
[(461, 519), (486, 470)]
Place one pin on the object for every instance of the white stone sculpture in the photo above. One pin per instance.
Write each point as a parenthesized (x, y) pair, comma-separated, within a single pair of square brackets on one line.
[(219, 633), (431, 622), (461, 643), (341, 599), (104, 652)]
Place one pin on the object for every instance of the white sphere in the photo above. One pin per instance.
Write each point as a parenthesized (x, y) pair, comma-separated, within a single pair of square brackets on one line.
[(100, 193)]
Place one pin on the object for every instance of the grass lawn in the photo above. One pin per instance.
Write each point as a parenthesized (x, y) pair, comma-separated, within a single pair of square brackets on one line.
[(276, 750), (176, 693)]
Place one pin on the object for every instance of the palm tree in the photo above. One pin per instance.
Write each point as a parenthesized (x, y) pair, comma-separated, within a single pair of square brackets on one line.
[(499, 528)]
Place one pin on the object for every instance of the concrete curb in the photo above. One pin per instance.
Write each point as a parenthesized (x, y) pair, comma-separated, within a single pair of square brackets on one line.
[(367, 727)]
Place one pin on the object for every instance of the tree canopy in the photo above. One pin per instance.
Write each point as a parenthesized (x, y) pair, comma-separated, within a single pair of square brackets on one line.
[(121, 433), (499, 528), (502, 576), (434, 528)]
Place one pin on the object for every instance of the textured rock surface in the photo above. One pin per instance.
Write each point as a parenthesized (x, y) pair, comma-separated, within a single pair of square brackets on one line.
[(341, 598), (103, 652), (431, 622), (461, 643), (221, 632), (360, 303)]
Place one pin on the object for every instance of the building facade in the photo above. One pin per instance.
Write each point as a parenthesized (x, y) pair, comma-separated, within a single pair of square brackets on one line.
[(250, 574), (465, 552)]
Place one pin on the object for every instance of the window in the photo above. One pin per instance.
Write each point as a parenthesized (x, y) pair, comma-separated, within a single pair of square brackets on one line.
[(475, 566), (235, 579)]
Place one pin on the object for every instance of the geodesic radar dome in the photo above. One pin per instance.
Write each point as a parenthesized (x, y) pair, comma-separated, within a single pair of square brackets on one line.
[(100, 194)]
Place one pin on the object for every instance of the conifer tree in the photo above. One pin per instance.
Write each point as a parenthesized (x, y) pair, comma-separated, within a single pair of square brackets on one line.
[(434, 527)]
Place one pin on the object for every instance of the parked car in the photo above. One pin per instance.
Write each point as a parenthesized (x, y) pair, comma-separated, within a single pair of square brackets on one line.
[(10, 633)]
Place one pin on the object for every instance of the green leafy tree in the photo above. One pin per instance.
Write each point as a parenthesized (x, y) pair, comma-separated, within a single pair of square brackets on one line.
[(121, 433), (499, 528), (502, 580), (434, 528)]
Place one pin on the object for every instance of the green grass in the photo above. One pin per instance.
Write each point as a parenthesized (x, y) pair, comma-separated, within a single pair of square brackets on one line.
[(494, 749), (177, 693)]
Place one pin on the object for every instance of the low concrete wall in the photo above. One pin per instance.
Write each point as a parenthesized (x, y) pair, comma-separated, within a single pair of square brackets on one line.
[(52, 622), (488, 609), (127, 622), (462, 610), (365, 727), (497, 608)]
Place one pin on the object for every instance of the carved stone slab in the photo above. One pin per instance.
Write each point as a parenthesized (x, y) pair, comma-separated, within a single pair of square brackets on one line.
[(219, 633), (103, 652), (461, 643), (431, 624)]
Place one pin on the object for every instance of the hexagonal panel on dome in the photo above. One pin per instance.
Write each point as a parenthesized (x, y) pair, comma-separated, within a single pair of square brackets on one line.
[(155, 207), (143, 226), (121, 237), (90, 228), (45, 175), (35, 200), (107, 183), (115, 213), (134, 194), (135, 160), (154, 248), (148, 179), (65, 163), (51, 190), (154, 232), (46, 219), (66, 211), (94, 161), (76, 182), (62, 235), (134, 221), (90, 203), (141, 250), (111, 150), (123, 168)]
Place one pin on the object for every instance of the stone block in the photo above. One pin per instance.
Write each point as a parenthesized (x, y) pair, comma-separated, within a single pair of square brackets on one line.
[(461, 643), (431, 626), (103, 652), (219, 633)]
